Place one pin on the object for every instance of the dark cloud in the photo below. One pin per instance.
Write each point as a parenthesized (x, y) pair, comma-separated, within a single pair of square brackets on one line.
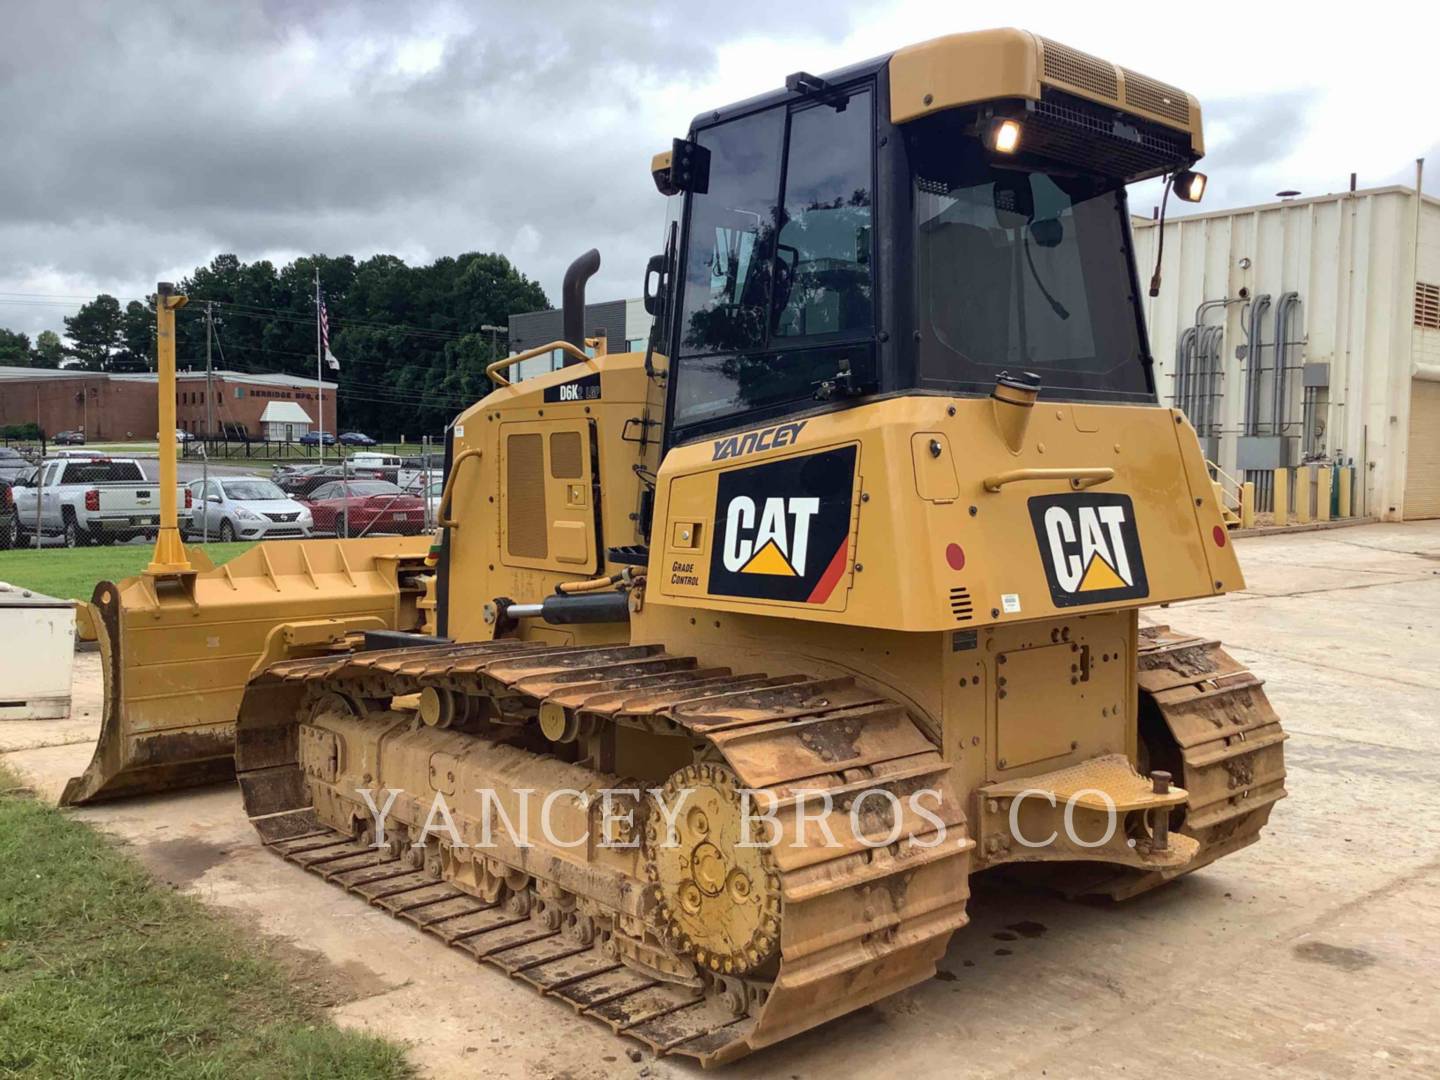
[(1247, 142), (153, 137)]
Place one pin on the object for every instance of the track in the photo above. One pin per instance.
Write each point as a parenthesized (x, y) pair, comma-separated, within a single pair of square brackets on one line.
[(1205, 718), (818, 930)]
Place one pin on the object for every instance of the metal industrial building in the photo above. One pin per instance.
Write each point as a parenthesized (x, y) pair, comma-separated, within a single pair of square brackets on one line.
[(625, 324), (1349, 286)]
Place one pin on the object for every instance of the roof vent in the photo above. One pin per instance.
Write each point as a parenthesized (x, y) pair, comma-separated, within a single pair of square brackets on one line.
[(1080, 70), (1156, 97)]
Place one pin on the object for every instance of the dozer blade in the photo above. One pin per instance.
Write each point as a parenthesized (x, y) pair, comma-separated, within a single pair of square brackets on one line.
[(177, 650)]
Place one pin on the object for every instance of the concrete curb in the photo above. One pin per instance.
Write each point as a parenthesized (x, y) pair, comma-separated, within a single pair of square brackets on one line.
[(1309, 526)]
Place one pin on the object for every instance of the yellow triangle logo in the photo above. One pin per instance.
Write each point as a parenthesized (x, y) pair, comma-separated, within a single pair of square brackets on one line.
[(768, 560), (1099, 575)]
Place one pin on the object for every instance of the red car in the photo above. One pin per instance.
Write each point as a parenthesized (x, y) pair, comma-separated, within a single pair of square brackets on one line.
[(364, 508)]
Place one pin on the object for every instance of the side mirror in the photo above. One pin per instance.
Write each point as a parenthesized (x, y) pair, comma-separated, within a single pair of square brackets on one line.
[(212, 498), (655, 266)]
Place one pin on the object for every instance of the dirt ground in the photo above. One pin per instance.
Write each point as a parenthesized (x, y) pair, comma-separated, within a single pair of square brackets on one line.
[(1312, 954)]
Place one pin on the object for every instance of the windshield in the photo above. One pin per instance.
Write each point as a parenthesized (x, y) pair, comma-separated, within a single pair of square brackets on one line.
[(252, 489), (1021, 270)]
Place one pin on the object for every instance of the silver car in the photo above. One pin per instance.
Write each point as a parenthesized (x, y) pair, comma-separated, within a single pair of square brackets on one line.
[(245, 508)]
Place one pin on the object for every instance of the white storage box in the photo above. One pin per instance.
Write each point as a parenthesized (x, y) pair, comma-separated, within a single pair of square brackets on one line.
[(37, 654)]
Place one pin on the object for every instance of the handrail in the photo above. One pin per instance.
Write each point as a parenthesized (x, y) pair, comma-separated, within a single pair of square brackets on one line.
[(573, 351), (1223, 475), (440, 519), (1079, 478), (1234, 493)]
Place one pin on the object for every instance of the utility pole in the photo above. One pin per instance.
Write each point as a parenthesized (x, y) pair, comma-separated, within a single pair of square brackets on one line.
[(202, 506), (494, 343), (319, 372), (39, 473)]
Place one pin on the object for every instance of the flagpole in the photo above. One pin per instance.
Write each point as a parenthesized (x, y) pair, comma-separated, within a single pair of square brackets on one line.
[(319, 370)]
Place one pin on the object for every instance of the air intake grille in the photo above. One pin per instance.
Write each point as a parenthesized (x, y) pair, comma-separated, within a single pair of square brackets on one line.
[(525, 495), (1427, 306), (1156, 97), (1080, 70), (565, 457), (1064, 127), (961, 605)]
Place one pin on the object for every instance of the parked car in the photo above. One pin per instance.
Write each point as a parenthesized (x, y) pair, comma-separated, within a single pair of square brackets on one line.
[(96, 500), (431, 493), (181, 435), (357, 438), (365, 507), (245, 508), (317, 438), (376, 466), (12, 464), (301, 483), (420, 469), (69, 438), (9, 520)]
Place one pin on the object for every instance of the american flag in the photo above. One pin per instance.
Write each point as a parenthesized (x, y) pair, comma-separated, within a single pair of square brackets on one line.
[(325, 336)]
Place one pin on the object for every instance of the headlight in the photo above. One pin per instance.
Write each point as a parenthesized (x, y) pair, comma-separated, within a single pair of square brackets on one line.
[(248, 515)]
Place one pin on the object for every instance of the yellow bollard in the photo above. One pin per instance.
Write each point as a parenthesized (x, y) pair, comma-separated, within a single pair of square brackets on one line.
[(1304, 477), (1282, 497), (1347, 481), (1247, 505), (1324, 482)]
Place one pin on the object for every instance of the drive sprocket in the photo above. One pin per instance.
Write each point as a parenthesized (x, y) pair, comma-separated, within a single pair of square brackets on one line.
[(715, 884)]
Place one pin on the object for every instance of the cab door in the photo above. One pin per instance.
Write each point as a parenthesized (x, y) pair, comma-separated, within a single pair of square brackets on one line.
[(549, 495)]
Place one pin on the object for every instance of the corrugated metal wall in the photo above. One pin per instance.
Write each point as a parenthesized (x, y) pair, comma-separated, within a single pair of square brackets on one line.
[(1353, 344)]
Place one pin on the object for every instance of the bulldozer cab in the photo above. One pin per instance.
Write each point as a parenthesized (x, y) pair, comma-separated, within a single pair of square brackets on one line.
[(883, 230)]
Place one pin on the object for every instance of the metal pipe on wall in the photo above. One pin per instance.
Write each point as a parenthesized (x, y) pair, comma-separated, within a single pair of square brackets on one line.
[(1282, 349), (1253, 332)]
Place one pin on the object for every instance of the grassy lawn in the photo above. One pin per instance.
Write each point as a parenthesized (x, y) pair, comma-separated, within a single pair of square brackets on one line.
[(71, 573), (104, 973)]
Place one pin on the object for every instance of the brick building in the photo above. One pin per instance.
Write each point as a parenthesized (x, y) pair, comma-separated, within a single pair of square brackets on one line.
[(117, 407)]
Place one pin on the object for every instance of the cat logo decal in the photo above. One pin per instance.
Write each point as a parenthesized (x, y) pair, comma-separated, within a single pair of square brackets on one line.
[(784, 528), (1090, 548)]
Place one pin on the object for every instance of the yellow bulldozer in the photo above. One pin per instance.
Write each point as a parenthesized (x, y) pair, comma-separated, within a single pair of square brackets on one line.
[(778, 631)]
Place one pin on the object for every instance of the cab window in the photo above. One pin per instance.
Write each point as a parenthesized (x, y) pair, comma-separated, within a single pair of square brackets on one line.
[(779, 266)]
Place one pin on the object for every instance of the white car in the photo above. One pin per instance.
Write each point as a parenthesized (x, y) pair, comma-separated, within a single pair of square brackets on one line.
[(245, 508)]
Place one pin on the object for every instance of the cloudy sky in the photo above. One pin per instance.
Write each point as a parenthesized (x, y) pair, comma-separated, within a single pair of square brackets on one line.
[(142, 139)]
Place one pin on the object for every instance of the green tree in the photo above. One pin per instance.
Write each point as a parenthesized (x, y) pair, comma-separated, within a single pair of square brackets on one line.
[(411, 351), (137, 337), (95, 332), (14, 348), (49, 350)]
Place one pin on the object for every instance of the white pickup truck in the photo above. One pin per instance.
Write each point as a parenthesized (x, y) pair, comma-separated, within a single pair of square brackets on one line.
[(97, 500)]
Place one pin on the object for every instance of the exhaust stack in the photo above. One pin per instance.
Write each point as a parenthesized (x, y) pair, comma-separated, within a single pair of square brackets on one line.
[(572, 299)]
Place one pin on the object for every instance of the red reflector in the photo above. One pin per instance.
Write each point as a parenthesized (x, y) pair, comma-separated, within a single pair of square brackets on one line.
[(1219, 534), (189, 495), (955, 556)]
